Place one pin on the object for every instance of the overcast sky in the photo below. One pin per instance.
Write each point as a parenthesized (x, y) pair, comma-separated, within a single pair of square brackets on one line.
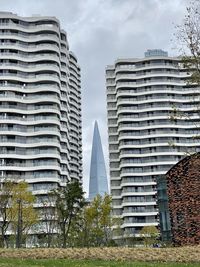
[(99, 32)]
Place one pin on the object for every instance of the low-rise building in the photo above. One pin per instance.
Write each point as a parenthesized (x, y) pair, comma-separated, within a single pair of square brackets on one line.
[(183, 188)]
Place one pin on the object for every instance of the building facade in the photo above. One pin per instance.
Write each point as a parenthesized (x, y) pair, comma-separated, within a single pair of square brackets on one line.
[(183, 187), (163, 207), (40, 104), (75, 118), (98, 183), (152, 121)]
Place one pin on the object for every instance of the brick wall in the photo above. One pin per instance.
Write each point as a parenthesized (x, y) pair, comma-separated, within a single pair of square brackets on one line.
[(183, 188)]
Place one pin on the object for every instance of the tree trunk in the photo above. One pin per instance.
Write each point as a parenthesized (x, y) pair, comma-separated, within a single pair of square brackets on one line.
[(48, 240), (64, 245), (66, 234), (2, 239)]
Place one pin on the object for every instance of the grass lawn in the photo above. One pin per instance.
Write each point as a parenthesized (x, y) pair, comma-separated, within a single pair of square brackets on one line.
[(85, 263)]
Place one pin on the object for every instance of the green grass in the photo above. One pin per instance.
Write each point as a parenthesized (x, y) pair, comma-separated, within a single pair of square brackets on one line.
[(86, 263)]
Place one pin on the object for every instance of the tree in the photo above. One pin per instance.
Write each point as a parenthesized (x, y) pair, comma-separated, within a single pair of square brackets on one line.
[(106, 220), (188, 37), (97, 222), (6, 192), (94, 234), (76, 236), (69, 203), (22, 212), (149, 235)]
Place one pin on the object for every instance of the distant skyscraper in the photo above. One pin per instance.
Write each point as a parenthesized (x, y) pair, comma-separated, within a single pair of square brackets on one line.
[(98, 178)]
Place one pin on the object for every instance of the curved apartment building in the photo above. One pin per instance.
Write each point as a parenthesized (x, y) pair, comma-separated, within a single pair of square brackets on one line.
[(40, 104), (75, 118), (145, 140)]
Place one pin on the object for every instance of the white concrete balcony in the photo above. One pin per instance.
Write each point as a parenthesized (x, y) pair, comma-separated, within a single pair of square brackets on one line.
[(30, 168), (28, 57), (155, 100), (29, 88), (142, 193), (139, 183), (25, 37), (144, 213), (153, 223), (29, 28), (151, 163), (181, 91)]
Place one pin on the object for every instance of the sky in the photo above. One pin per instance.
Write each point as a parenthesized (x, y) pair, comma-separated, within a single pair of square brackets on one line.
[(99, 32)]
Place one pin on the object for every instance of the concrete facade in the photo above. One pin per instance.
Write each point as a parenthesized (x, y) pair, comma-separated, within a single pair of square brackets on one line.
[(144, 139), (40, 104)]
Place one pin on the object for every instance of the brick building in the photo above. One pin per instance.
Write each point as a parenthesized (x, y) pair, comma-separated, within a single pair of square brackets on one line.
[(183, 187)]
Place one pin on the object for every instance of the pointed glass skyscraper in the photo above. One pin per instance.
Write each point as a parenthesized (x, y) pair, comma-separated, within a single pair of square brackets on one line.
[(98, 179)]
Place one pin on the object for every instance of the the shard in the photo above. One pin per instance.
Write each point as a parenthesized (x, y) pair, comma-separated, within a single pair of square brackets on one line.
[(98, 183)]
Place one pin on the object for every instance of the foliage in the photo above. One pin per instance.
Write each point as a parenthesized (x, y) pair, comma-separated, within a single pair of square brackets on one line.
[(149, 235), (188, 39), (69, 203), (188, 36), (77, 232), (22, 212), (5, 212), (93, 226), (97, 223)]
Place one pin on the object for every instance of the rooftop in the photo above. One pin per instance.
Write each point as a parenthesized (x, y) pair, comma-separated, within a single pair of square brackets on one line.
[(155, 52)]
